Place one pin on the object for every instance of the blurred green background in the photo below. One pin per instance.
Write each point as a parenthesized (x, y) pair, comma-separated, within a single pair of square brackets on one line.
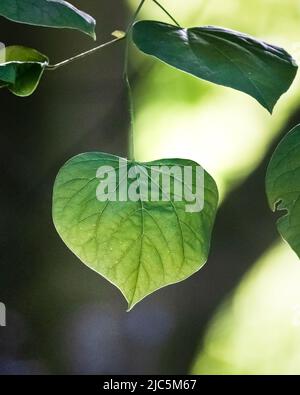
[(241, 313)]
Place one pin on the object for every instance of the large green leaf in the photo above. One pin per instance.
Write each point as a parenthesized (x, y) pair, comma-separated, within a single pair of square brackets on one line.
[(139, 246), (283, 187), (224, 57), (21, 69), (49, 13)]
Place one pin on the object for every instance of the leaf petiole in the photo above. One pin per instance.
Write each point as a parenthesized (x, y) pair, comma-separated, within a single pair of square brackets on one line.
[(127, 82), (166, 12), (86, 53), (135, 15)]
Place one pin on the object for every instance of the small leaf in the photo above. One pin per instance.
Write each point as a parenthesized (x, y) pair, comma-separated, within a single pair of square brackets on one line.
[(283, 187), (48, 13), (21, 69), (221, 56), (139, 246)]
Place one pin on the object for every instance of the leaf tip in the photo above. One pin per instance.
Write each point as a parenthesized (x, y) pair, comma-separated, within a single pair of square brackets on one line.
[(129, 308), (131, 304), (92, 33), (91, 27)]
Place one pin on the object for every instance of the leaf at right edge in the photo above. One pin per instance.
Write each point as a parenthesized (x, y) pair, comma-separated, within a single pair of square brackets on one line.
[(283, 187), (48, 13), (139, 247), (221, 56)]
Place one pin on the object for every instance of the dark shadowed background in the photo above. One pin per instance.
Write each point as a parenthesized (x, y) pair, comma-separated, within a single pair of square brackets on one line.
[(61, 316)]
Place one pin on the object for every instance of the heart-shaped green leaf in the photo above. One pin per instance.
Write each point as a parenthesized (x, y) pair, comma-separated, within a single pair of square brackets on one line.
[(283, 187), (48, 13), (224, 57), (21, 69), (139, 245)]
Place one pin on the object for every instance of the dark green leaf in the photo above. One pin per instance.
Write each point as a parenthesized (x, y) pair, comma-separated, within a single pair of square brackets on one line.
[(139, 246), (224, 57), (21, 69), (49, 13), (283, 187)]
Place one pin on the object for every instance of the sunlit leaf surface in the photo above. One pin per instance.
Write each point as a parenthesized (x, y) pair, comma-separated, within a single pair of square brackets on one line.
[(139, 246)]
